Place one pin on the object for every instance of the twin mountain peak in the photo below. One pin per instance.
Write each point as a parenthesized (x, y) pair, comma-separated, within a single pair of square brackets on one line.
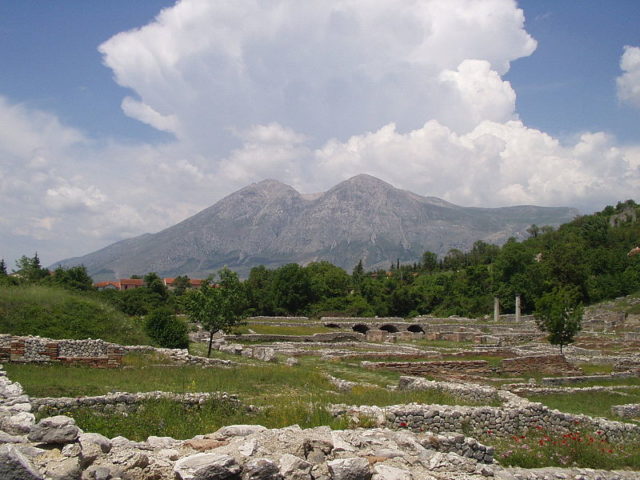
[(270, 223)]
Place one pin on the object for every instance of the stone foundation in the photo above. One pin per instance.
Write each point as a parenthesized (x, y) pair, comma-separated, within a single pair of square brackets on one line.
[(123, 402), (93, 353), (546, 364)]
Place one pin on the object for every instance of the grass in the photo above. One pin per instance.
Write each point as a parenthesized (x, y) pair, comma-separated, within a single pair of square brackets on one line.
[(591, 369), (594, 404), (285, 395), (580, 449), (57, 313)]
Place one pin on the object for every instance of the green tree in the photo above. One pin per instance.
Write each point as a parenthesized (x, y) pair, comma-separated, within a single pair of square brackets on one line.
[(429, 261), (560, 315), (3, 268), (30, 269), (166, 329), (181, 283), (219, 306), (291, 289), (155, 284), (357, 275), (533, 230), (73, 278), (258, 290), (327, 280)]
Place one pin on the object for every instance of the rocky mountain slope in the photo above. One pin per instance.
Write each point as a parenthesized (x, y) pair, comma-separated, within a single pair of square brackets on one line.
[(270, 223)]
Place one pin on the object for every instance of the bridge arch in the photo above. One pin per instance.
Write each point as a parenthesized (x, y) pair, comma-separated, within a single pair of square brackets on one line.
[(361, 328), (389, 328)]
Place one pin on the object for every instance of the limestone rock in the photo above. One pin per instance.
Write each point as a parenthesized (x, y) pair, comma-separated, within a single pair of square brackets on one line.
[(239, 430), (207, 466), (63, 469), (349, 469), (386, 472), (19, 424), (92, 445), (294, 468), (15, 466), (204, 444), (261, 469), (249, 447), (55, 430)]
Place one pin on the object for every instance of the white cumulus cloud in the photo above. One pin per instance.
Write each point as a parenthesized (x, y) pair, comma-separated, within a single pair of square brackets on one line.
[(629, 82)]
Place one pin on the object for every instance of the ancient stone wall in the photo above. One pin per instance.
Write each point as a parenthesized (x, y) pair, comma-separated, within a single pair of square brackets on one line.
[(94, 353), (629, 410), (437, 367), (546, 364), (122, 402), (510, 419)]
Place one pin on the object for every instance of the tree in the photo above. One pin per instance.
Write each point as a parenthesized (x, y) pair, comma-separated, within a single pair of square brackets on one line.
[(357, 275), (180, 285), (166, 329), (559, 313), (30, 268), (3, 268), (429, 261), (74, 278), (291, 289), (219, 306), (155, 284), (533, 230)]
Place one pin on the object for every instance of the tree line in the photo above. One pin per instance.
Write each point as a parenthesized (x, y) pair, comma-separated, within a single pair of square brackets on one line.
[(581, 262)]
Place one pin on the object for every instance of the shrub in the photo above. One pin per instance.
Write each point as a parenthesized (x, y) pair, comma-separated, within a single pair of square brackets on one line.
[(166, 329)]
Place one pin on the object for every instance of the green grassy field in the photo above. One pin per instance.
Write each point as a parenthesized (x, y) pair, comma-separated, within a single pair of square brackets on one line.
[(594, 404), (57, 313)]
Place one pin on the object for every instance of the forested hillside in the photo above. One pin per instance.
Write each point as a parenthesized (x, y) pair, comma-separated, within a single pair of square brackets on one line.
[(587, 258)]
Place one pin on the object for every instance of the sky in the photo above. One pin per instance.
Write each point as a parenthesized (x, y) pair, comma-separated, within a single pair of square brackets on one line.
[(121, 118)]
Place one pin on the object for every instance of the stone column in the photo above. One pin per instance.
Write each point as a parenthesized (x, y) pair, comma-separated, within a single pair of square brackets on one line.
[(496, 309), (517, 307)]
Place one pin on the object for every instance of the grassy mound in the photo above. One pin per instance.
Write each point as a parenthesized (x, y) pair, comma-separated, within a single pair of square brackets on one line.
[(57, 313)]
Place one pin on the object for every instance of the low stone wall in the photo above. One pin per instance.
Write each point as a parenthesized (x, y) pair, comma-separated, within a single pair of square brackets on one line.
[(316, 337), (630, 410), (628, 365), (499, 421), (470, 392), (546, 364), (583, 378), (94, 353), (123, 402), (437, 367), (362, 319)]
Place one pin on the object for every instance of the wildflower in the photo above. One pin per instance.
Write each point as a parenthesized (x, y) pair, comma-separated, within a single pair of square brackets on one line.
[(403, 424)]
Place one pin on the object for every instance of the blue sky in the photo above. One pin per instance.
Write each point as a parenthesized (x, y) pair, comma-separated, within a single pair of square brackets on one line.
[(118, 120)]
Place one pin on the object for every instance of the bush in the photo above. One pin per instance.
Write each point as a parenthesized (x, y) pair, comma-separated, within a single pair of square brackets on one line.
[(166, 329)]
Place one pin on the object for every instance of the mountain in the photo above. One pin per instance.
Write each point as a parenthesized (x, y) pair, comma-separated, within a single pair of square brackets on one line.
[(270, 223)]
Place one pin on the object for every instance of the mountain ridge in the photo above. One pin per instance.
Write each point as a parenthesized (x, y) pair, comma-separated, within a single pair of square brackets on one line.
[(271, 223)]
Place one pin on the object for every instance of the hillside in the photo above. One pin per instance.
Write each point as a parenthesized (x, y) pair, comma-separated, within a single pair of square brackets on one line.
[(270, 223), (57, 313)]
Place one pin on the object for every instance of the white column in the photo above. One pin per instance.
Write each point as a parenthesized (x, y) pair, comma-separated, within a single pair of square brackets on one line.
[(518, 307), (496, 309)]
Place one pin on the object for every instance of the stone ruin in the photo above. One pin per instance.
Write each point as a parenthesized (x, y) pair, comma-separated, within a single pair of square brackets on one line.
[(55, 448)]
